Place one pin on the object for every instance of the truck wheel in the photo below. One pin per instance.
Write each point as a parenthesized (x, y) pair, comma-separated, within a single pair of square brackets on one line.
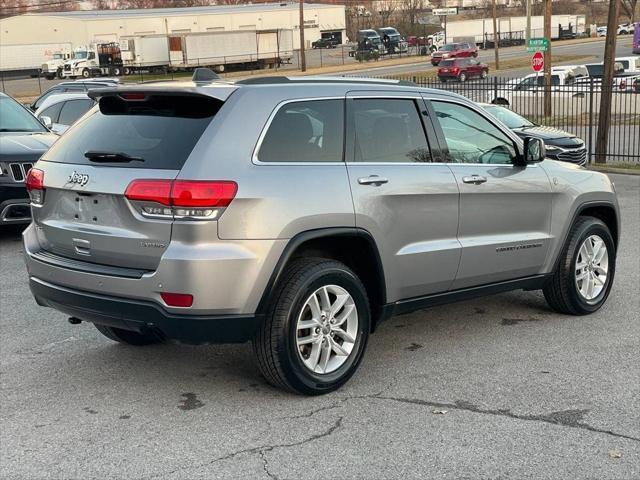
[(59, 74), (116, 71), (126, 71), (128, 337), (86, 73), (315, 332), (586, 267), (50, 76)]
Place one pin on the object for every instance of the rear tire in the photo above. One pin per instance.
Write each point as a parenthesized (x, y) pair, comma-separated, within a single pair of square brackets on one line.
[(86, 73), (462, 78), (128, 337), (285, 349), (566, 292)]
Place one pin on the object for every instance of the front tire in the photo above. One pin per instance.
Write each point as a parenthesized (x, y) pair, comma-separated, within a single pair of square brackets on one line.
[(128, 337), (86, 73), (585, 271), (316, 330), (462, 78)]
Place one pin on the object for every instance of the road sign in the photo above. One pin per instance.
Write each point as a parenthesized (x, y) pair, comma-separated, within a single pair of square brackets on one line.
[(537, 62), (538, 45), (445, 11)]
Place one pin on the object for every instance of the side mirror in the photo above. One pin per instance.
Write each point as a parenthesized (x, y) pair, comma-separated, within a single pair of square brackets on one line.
[(46, 121), (534, 150)]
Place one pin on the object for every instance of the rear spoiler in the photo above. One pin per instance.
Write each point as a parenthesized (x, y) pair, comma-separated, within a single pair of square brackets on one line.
[(219, 91)]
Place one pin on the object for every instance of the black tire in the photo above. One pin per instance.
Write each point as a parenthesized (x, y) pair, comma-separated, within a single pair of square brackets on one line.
[(275, 345), (126, 71), (59, 73), (86, 73), (443, 80), (128, 337), (462, 77), (561, 292)]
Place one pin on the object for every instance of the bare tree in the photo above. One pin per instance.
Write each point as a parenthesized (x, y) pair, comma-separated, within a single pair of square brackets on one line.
[(630, 9), (385, 9)]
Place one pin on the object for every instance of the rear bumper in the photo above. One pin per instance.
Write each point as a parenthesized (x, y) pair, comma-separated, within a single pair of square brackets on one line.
[(139, 316)]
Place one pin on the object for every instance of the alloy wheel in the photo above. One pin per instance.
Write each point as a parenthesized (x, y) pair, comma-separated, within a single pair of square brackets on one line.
[(592, 267)]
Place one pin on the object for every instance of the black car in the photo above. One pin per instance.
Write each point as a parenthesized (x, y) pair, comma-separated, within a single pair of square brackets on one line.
[(77, 86), (325, 43), (23, 139), (560, 145)]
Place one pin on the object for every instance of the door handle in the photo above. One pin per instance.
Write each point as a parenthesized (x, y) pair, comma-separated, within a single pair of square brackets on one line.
[(475, 179), (372, 180)]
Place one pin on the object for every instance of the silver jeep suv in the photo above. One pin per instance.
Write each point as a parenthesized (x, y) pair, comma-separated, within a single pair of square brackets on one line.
[(300, 213)]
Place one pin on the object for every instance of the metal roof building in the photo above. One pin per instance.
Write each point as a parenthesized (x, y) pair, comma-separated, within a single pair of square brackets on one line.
[(84, 27)]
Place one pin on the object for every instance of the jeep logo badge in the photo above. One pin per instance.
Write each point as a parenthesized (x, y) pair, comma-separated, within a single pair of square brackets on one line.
[(79, 178)]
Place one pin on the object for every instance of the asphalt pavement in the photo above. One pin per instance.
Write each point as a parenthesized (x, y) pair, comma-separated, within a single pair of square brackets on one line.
[(499, 387)]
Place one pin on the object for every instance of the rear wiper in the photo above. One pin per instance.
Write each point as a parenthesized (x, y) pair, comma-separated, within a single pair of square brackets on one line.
[(111, 157)]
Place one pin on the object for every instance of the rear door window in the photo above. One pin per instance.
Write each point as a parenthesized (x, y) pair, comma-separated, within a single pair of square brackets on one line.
[(305, 131), (388, 131), (160, 130), (53, 112)]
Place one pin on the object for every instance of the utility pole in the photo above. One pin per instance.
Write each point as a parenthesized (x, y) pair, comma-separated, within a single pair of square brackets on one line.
[(496, 40), (303, 60), (547, 59), (606, 90), (528, 31)]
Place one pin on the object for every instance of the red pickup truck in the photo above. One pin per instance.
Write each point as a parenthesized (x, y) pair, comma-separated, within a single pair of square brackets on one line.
[(454, 50)]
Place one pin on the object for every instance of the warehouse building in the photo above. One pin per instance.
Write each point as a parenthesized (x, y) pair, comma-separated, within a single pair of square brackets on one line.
[(85, 27)]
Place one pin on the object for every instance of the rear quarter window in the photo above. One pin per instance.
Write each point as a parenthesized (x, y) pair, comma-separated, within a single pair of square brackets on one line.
[(161, 129)]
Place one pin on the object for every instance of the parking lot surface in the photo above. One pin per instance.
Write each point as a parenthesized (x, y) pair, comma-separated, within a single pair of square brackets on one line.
[(499, 387)]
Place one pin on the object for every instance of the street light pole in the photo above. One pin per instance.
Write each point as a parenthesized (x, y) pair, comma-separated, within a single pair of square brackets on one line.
[(496, 40), (528, 31), (547, 59), (303, 60)]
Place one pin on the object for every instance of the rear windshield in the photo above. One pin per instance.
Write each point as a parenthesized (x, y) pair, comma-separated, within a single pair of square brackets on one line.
[(447, 63), (159, 131)]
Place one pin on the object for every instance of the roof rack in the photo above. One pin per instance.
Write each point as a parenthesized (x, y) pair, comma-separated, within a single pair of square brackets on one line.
[(276, 80)]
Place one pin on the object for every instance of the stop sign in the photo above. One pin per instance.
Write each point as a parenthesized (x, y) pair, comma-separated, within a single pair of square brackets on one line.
[(537, 61)]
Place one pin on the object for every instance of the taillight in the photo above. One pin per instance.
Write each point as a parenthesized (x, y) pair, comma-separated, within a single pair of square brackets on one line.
[(177, 299), (35, 185), (190, 199), (623, 85)]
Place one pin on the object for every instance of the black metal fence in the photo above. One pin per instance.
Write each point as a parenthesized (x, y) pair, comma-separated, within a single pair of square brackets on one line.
[(575, 108)]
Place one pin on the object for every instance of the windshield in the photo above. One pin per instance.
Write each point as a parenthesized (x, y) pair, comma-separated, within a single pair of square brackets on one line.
[(448, 48), (595, 70), (57, 56), (15, 118), (80, 55), (509, 118)]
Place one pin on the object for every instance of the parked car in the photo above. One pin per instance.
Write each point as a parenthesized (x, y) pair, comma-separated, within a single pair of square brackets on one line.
[(454, 50), (325, 43), (309, 236), (72, 87), (626, 28), (559, 145), (629, 64), (59, 112), (601, 31), (461, 69), (22, 140), (596, 70)]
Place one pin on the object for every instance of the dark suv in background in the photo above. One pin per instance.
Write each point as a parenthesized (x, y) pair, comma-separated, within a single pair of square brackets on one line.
[(23, 139)]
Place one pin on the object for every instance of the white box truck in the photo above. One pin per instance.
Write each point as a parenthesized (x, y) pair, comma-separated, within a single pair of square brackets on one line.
[(29, 58), (220, 50), (144, 53)]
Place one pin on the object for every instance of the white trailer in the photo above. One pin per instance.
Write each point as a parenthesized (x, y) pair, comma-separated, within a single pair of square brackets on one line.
[(514, 28), (29, 57), (221, 49), (144, 53)]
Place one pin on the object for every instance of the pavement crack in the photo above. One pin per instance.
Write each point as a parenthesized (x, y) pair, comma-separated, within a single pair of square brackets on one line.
[(262, 450), (565, 418)]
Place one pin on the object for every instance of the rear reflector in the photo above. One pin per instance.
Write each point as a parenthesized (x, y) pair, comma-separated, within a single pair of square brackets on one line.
[(183, 193), (177, 299)]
